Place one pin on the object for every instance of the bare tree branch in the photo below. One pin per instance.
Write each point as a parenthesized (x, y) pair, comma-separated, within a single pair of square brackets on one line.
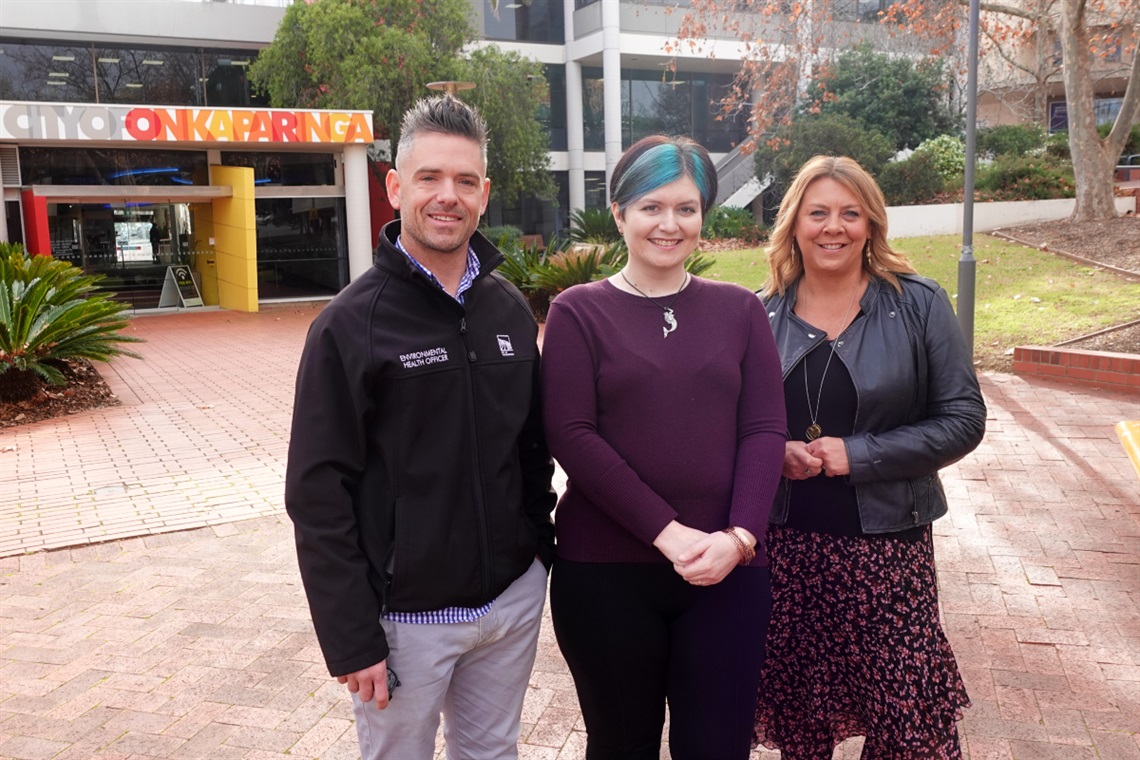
[(1129, 109)]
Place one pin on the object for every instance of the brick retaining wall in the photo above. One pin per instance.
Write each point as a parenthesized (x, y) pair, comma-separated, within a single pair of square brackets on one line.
[(1097, 369)]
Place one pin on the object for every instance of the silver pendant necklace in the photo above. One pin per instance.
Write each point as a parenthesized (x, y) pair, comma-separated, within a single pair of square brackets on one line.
[(670, 317), (815, 430)]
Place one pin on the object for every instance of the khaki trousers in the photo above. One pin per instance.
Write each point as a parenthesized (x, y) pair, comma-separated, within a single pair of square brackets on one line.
[(474, 674)]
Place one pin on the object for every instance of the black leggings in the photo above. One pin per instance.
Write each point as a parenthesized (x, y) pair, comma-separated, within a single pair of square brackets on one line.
[(636, 635)]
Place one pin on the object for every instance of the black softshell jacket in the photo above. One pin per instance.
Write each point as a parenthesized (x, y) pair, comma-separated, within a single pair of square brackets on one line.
[(418, 477)]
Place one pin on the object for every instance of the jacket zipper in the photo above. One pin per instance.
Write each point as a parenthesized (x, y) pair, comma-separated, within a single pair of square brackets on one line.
[(480, 496)]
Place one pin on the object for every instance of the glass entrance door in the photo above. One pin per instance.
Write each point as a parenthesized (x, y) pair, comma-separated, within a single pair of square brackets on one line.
[(131, 245)]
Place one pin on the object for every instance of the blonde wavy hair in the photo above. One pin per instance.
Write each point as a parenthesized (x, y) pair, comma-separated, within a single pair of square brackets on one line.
[(784, 264)]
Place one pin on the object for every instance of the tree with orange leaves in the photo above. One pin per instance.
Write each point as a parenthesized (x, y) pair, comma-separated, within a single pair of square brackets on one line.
[(786, 42)]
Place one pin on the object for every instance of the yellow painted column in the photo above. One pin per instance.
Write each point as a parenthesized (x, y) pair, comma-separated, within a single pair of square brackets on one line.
[(205, 258), (235, 238)]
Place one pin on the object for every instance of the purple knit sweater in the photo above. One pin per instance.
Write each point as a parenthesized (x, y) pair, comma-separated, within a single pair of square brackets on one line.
[(650, 429)]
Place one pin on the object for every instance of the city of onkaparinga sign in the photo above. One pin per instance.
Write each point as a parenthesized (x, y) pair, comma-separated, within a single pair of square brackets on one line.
[(164, 124)]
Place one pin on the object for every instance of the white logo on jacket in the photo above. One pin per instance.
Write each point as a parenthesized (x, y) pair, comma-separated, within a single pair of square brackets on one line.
[(505, 347)]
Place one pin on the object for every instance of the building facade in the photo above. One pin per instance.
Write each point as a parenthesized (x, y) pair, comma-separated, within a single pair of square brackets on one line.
[(119, 117), (1021, 81), (128, 200), (131, 143)]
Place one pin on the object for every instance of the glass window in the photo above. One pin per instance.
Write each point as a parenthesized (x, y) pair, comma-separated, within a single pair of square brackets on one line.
[(533, 215), (1058, 116), (1106, 109), (299, 241), (225, 82), (861, 11), (172, 76), (1112, 47), (286, 168), (129, 244), (552, 113), (655, 107), (593, 107), (46, 72), (684, 103), (106, 166), (596, 191), (148, 75), (534, 21)]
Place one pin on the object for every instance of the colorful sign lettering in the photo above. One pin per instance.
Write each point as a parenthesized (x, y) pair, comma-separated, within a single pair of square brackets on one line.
[(161, 124)]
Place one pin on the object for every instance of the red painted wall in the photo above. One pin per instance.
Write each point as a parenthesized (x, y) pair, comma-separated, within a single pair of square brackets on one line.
[(379, 209)]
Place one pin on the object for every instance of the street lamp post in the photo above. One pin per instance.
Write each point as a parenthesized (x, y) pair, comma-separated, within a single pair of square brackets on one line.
[(967, 264)]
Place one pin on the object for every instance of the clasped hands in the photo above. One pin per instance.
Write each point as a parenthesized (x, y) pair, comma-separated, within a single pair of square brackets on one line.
[(823, 456), (702, 559)]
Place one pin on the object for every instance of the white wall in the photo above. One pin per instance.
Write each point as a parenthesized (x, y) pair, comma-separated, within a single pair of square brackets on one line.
[(142, 21), (946, 218)]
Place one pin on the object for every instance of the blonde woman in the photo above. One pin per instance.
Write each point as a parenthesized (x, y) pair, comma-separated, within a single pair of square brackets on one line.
[(880, 394)]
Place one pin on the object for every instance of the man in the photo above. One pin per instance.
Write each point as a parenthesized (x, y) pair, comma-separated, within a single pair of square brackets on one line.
[(155, 240), (418, 478)]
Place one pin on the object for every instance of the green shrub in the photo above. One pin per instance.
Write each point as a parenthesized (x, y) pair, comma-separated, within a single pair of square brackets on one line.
[(827, 135), (1010, 140), (595, 226), (723, 222), (506, 234), (1132, 144), (915, 180), (1025, 178), (48, 315), (578, 265), (1057, 145), (520, 262), (699, 263), (947, 154)]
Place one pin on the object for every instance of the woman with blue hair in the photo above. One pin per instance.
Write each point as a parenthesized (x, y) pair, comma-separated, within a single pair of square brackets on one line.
[(664, 405)]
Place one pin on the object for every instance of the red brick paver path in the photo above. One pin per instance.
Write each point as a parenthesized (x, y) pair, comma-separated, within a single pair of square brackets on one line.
[(169, 622)]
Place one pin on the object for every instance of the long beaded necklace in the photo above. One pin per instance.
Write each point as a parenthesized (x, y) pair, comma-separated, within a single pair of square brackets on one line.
[(815, 430), (670, 317)]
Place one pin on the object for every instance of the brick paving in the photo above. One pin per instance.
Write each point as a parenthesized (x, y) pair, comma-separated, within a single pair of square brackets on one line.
[(150, 605)]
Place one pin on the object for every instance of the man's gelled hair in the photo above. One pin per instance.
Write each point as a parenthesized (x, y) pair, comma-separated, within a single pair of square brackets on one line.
[(444, 114)]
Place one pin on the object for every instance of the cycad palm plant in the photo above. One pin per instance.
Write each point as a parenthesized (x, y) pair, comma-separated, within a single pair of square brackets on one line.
[(49, 314), (593, 225)]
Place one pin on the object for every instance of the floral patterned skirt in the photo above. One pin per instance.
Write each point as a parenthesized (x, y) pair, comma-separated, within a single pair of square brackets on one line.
[(855, 649)]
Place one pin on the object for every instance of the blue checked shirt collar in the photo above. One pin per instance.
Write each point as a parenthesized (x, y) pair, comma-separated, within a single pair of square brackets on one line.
[(465, 282)]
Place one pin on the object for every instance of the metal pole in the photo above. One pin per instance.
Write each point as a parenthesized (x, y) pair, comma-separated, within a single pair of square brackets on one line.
[(967, 264)]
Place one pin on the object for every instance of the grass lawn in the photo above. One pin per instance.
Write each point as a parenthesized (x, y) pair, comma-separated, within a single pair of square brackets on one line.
[(1023, 296)]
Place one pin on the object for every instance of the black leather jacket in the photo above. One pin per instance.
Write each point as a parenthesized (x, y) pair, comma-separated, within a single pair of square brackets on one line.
[(919, 405)]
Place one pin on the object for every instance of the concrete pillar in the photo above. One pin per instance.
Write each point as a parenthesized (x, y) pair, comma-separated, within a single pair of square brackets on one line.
[(575, 133), (611, 83), (356, 210)]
